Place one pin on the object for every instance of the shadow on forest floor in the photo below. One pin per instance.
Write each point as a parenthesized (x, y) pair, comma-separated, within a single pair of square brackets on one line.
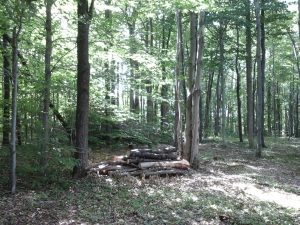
[(230, 187)]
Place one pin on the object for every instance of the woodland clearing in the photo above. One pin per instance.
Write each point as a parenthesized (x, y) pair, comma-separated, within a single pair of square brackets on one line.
[(230, 187)]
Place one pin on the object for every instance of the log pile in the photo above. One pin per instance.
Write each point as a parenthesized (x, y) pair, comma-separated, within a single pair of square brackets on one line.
[(143, 163)]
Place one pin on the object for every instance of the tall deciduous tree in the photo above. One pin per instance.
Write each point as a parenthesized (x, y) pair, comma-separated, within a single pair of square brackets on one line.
[(6, 90), (191, 148), (259, 105), (238, 84), (47, 84), (179, 74), (250, 112), (84, 12)]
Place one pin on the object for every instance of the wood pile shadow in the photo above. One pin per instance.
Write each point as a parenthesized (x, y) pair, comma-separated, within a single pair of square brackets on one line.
[(143, 163)]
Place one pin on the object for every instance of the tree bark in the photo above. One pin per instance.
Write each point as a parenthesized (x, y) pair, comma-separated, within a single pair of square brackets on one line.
[(14, 109), (83, 78), (149, 85), (191, 74), (218, 106), (179, 73), (195, 74), (263, 68), (6, 92), (207, 117), (238, 83), (47, 84), (222, 34), (259, 104), (250, 115)]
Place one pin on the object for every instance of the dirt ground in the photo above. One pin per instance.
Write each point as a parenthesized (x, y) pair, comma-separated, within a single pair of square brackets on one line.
[(230, 187)]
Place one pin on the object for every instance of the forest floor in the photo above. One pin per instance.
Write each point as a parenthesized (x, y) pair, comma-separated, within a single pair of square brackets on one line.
[(231, 187)]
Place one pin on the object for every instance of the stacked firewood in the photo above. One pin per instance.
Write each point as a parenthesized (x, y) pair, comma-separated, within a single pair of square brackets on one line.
[(144, 163)]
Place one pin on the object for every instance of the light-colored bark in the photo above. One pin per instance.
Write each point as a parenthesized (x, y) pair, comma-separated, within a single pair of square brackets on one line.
[(179, 74), (191, 149), (47, 83)]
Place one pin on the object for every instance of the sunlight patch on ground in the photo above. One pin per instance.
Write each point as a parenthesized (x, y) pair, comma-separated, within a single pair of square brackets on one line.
[(284, 199)]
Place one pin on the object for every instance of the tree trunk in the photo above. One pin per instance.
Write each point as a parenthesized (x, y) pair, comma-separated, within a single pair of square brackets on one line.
[(83, 79), (164, 109), (6, 92), (207, 117), (191, 149), (222, 77), (250, 115), (149, 85), (238, 83), (196, 92), (178, 74), (14, 109), (269, 109), (218, 106), (263, 68), (297, 135), (47, 84), (192, 68), (259, 104)]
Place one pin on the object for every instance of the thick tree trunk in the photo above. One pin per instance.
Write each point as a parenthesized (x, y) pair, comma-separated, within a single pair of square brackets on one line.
[(47, 83), (178, 74), (191, 149), (83, 80), (259, 105), (250, 115), (6, 92), (238, 84), (192, 70), (196, 92)]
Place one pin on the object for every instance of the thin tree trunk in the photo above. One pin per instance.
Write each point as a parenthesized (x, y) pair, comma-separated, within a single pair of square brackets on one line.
[(222, 77), (47, 83), (263, 68), (6, 92), (297, 114), (238, 81), (250, 115), (14, 109), (207, 104), (83, 79), (218, 106), (259, 105), (149, 85), (19, 129), (164, 109), (269, 109)]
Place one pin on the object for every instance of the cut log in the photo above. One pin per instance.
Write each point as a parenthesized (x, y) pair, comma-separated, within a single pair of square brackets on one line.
[(137, 160), (182, 164), (158, 151), (147, 173), (150, 155)]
